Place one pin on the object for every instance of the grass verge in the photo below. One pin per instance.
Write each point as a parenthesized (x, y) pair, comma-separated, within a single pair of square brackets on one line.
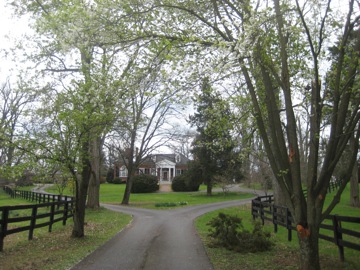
[(285, 255), (57, 250)]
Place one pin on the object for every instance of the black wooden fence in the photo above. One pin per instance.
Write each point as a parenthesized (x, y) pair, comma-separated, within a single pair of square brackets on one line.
[(48, 210), (263, 207), (333, 185), (36, 197)]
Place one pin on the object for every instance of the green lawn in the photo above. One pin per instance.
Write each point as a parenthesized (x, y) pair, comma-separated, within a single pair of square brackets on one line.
[(113, 194), (6, 200), (284, 256)]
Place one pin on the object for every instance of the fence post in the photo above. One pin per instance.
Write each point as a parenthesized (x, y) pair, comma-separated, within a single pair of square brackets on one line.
[(3, 231), (58, 200), (275, 218), (262, 212), (338, 236), (66, 209), (254, 212), (33, 221), (52, 211)]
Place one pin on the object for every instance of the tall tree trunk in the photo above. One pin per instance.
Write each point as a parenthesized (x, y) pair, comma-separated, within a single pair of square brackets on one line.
[(81, 193), (131, 167), (278, 198), (129, 180), (127, 192), (354, 179), (309, 249), (93, 192), (354, 187), (94, 185)]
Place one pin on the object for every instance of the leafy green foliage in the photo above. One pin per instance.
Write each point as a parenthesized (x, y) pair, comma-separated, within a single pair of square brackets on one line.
[(227, 231), (145, 183), (110, 175), (170, 204), (214, 145), (117, 180), (184, 182)]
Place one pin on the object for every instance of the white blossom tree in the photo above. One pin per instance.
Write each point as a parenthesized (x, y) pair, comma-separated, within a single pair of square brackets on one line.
[(277, 51)]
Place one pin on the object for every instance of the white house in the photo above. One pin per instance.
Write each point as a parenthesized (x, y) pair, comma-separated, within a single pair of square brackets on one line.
[(164, 166)]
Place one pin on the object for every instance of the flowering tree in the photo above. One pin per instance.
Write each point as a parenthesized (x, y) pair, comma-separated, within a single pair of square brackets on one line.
[(82, 65), (278, 54)]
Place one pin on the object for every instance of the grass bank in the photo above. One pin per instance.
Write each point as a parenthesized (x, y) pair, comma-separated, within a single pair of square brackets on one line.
[(57, 250), (284, 255)]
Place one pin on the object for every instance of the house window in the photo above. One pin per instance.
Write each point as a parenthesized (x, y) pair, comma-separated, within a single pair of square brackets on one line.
[(178, 172), (123, 172), (147, 171)]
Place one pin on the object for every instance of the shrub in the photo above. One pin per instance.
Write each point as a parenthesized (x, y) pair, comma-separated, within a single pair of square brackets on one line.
[(170, 204), (110, 176), (184, 182), (227, 231), (178, 183), (118, 180), (145, 183), (165, 204)]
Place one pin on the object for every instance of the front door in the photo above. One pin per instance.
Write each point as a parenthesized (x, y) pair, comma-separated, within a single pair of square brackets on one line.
[(165, 176)]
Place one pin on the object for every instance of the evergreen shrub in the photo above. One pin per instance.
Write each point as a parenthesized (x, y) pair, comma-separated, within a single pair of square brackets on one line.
[(227, 231), (110, 176), (117, 180), (184, 182), (145, 183)]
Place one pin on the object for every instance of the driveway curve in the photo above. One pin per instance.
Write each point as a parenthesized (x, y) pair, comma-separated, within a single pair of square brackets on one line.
[(156, 240)]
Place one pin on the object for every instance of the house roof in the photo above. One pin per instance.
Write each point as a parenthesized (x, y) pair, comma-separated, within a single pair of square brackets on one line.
[(178, 159)]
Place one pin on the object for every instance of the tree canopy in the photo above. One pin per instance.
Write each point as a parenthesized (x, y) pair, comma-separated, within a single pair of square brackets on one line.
[(292, 64)]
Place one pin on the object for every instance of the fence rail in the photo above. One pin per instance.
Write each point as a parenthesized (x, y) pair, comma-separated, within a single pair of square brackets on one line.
[(263, 207), (36, 196), (333, 185), (51, 209)]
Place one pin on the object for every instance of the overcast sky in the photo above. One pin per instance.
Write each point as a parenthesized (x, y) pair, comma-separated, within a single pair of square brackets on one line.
[(11, 28)]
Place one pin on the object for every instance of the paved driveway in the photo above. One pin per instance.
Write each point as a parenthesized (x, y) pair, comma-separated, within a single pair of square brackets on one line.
[(156, 240)]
